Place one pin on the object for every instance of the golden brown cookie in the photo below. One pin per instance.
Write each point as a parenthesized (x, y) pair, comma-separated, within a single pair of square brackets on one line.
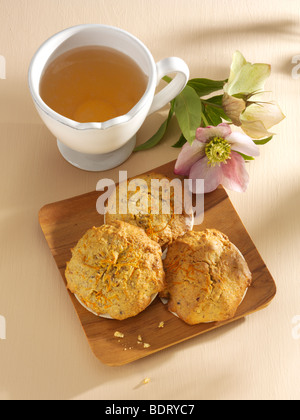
[(206, 276), (153, 209), (115, 270)]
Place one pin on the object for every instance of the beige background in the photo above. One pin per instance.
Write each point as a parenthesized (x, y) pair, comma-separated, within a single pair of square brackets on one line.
[(45, 354)]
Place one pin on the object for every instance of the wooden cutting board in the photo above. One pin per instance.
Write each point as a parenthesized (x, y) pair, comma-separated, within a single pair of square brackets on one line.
[(64, 223)]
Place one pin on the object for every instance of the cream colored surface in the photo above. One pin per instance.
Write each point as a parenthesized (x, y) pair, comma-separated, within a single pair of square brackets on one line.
[(254, 358)]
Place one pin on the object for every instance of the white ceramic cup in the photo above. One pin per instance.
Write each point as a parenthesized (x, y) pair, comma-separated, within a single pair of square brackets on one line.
[(100, 146)]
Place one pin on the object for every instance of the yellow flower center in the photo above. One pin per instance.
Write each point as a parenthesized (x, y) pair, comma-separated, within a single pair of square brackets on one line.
[(218, 151)]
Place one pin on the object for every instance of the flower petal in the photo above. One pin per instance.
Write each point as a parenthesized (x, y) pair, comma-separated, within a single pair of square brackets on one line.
[(233, 108), (255, 129), (204, 134), (250, 78), (238, 61), (212, 175), (269, 113), (189, 155), (243, 144), (235, 176)]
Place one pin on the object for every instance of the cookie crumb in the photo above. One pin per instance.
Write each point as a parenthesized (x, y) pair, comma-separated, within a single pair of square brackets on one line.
[(146, 381), (118, 334), (140, 338), (161, 324), (146, 345)]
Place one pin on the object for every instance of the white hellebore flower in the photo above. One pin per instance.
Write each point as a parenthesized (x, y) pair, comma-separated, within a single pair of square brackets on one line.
[(245, 81)]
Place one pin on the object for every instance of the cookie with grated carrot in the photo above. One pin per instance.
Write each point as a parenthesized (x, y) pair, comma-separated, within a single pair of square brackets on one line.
[(115, 270), (207, 277), (154, 203)]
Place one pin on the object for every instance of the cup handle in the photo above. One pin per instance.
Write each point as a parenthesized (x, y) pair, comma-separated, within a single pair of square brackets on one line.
[(165, 67)]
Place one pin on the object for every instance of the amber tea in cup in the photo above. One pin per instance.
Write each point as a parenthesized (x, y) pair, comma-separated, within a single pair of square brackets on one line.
[(92, 84)]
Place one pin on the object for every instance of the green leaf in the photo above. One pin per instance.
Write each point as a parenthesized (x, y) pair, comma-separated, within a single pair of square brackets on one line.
[(155, 139), (158, 136), (167, 79), (181, 142), (246, 158), (216, 103), (215, 100), (213, 110), (213, 115), (188, 109), (204, 87), (263, 141)]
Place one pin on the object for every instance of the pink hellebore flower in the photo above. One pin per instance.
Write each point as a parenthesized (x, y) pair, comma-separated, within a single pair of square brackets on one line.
[(214, 157)]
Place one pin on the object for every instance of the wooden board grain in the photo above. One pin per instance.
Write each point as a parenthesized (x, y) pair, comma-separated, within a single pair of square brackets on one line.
[(64, 223)]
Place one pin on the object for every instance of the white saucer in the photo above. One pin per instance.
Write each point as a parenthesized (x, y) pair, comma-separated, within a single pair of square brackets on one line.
[(106, 315)]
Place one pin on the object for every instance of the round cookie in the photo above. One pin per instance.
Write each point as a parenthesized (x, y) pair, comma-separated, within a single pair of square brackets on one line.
[(151, 208), (115, 270), (207, 277)]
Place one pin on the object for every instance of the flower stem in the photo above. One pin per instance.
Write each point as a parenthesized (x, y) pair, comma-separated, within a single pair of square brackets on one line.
[(211, 104), (204, 120)]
